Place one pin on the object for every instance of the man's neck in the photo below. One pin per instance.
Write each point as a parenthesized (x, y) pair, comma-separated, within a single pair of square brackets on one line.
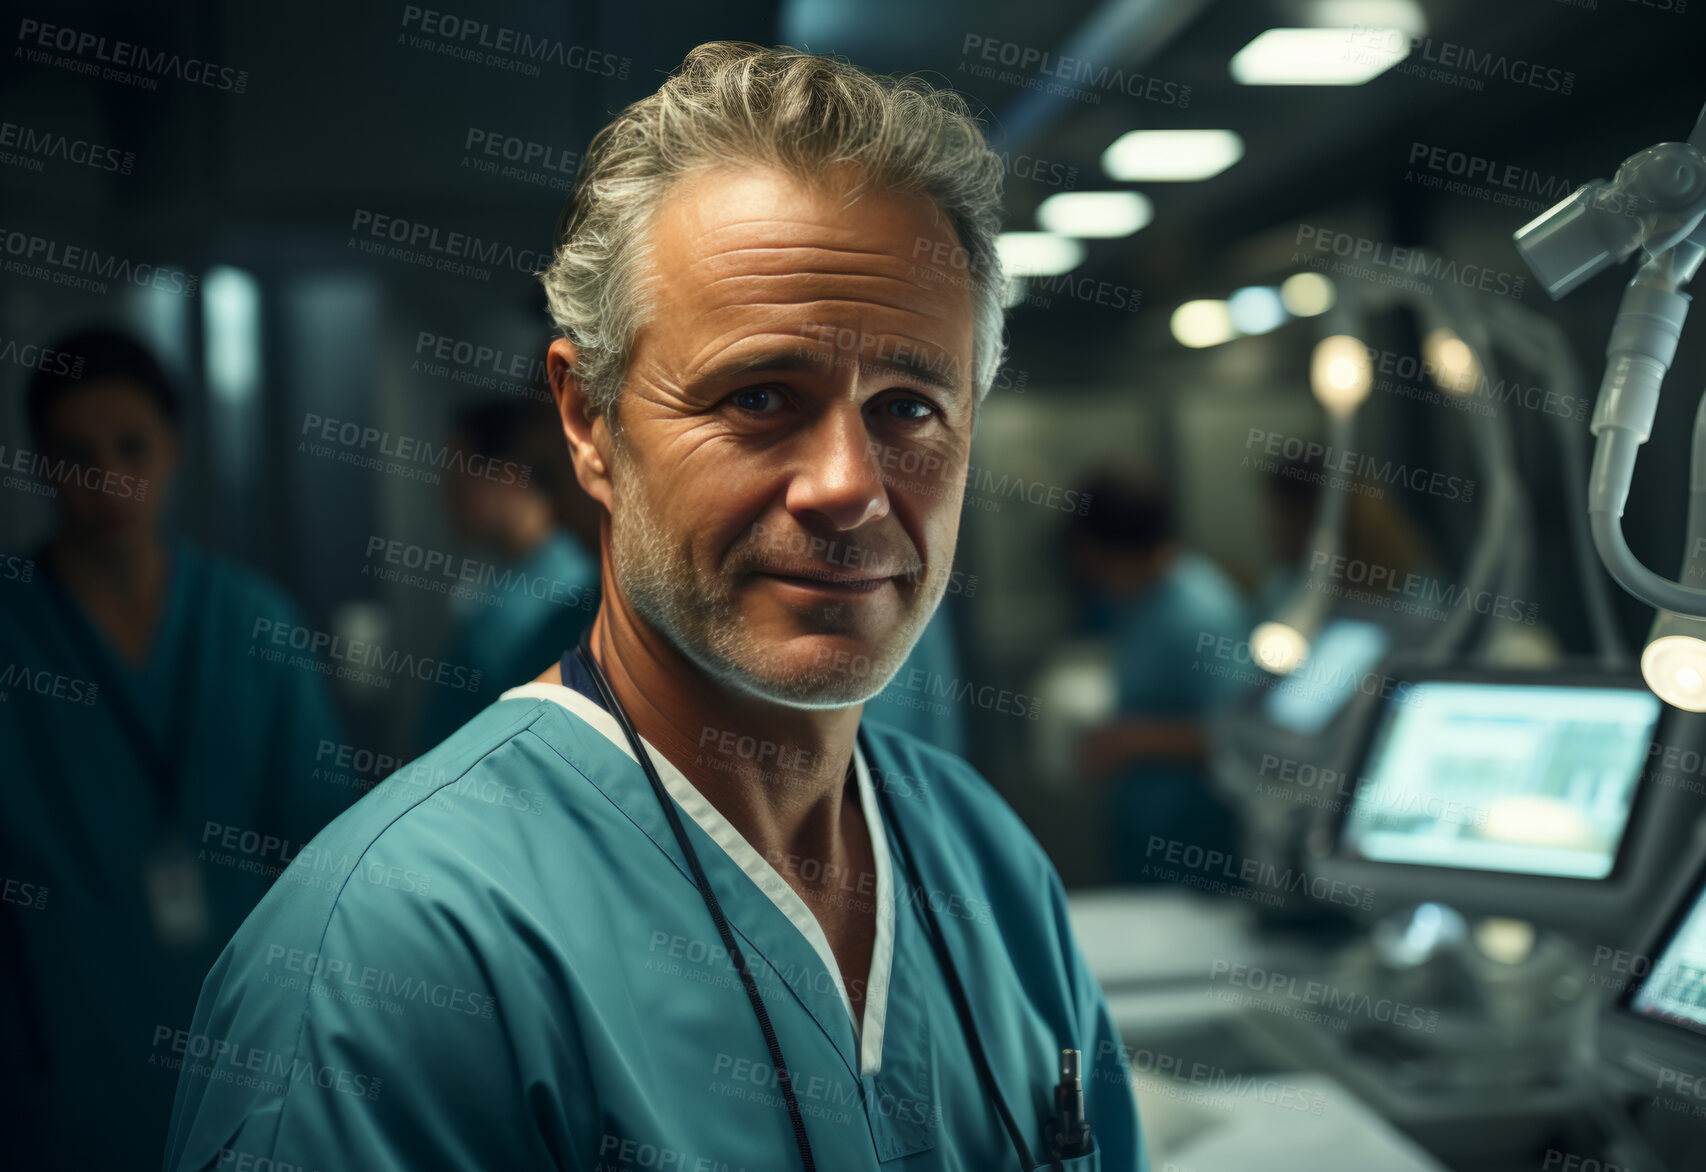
[(778, 774)]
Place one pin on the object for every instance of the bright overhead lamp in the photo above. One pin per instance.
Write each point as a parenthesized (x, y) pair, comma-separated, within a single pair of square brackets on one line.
[(1278, 647), (1340, 373), (1095, 213), (1406, 15), (1319, 56), (1202, 323), (1256, 309), (1451, 361), (1038, 254), (1306, 294), (1171, 156)]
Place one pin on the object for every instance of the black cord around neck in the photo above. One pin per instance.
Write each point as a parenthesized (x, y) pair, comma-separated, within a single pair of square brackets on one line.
[(962, 1003), (783, 1078), (938, 940)]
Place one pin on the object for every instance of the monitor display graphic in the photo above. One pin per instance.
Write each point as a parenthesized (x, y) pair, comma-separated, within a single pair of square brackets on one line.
[(1498, 776), (1675, 989)]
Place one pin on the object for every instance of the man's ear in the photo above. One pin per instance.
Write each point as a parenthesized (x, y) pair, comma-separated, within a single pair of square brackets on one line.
[(588, 435)]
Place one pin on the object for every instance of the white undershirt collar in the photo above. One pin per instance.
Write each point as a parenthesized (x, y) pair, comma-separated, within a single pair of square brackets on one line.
[(759, 870)]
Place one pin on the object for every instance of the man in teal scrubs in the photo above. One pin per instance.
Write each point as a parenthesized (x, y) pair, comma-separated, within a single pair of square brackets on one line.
[(781, 304)]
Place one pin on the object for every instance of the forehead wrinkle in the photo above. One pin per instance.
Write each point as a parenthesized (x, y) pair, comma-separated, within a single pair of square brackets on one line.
[(762, 248), (942, 314), (717, 276), (735, 264), (925, 307), (778, 352), (696, 223), (721, 217), (844, 299), (708, 237), (734, 335), (675, 293), (765, 347), (723, 343), (785, 275)]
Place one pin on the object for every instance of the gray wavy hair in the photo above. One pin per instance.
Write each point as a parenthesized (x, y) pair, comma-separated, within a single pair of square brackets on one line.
[(795, 111)]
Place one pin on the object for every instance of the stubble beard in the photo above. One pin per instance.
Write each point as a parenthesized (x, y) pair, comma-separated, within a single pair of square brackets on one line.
[(700, 618)]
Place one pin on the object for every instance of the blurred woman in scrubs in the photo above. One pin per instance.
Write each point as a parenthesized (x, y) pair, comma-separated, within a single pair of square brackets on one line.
[(160, 739)]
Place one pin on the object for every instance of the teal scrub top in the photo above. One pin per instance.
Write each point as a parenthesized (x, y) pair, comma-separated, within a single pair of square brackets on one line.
[(499, 959), (534, 607), (86, 982), (1158, 666)]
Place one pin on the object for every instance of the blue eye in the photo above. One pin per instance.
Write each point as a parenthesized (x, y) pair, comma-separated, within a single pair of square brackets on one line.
[(924, 410), (754, 399)]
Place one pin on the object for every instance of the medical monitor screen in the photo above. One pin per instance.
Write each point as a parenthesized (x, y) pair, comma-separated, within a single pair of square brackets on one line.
[(1498, 776), (1343, 654), (1674, 990)]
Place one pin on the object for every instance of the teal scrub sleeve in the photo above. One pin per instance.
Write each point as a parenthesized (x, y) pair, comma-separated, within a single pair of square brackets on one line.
[(1110, 1101), (416, 1031)]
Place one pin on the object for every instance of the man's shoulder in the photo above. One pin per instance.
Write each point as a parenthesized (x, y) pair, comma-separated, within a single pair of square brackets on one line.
[(463, 804), (397, 931)]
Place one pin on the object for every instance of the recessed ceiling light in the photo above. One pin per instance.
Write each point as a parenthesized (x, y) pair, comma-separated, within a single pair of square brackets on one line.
[(1202, 323), (1319, 56), (1405, 15), (1171, 155), (1256, 309), (1038, 254), (1095, 213), (1306, 294)]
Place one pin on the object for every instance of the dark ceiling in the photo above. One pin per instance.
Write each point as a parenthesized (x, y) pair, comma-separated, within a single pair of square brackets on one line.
[(341, 112)]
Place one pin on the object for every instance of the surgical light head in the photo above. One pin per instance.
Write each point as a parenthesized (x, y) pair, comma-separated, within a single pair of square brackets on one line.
[(1656, 205), (1656, 201)]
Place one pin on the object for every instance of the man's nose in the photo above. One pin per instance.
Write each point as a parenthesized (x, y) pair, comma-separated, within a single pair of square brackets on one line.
[(839, 478)]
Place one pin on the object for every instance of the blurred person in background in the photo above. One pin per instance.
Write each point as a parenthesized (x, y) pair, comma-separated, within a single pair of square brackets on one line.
[(921, 697), (536, 586), (161, 747), (1377, 532), (1160, 602)]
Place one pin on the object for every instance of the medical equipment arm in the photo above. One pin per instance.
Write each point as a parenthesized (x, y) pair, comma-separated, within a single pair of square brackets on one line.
[(1655, 204), (1542, 345)]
